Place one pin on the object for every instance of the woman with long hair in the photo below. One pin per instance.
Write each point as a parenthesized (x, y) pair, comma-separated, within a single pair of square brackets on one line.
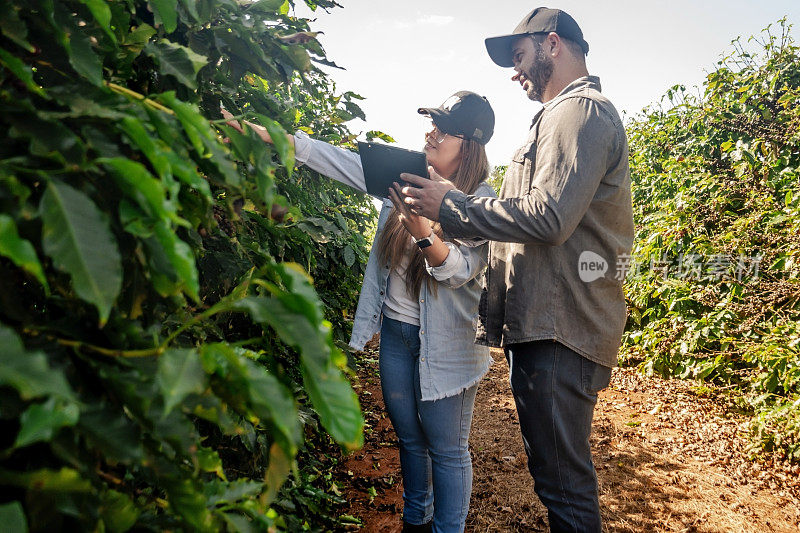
[(421, 291)]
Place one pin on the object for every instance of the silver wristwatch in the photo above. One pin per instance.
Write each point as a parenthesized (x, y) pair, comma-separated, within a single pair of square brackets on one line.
[(424, 243)]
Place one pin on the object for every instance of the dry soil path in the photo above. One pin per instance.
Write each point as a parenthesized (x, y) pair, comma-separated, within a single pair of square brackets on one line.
[(668, 457)]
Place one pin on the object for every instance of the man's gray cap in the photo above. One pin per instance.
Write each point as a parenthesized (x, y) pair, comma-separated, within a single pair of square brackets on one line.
[(540, 20)]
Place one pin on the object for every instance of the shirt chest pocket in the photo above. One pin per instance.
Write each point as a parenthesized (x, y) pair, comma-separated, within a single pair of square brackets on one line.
[(524, 162)]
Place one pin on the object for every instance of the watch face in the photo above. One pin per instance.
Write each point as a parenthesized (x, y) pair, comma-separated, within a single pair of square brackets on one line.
[(424, 243)]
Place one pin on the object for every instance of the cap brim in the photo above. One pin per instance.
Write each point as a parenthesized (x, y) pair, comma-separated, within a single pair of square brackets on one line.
[(499, 49), (442, 120)]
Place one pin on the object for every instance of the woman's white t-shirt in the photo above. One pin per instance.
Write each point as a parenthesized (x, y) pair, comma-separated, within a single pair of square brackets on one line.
[(399, 304)]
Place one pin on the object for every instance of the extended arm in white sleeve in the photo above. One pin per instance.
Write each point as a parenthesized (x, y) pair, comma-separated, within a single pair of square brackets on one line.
[(336, 163)]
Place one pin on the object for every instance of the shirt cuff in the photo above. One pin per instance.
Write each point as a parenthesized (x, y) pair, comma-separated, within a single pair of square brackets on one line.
[(302, 147), (449, 266), (452, 213), (473, 242)]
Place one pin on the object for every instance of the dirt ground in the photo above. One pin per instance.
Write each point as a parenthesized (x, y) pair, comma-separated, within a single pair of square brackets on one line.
[(668, 458)]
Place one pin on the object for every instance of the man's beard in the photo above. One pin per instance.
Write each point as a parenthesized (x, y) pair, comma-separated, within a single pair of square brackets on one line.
[(539, 74)]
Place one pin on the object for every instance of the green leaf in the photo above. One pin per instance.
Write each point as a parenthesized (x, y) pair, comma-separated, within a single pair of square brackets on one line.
[(301, 297), (182, 269), (29, 372), (82, 56), (178, 430), (355, 110), (191, 8), (180, 373), (137, 133), (265, 6), (333, 397), (220, 492), (12, 516), (178, 61), (166, 13), (112, 433), (269, 398), (45, 480), (134, 220), (209, 460), (203, 137), (298, 56), (102, 14), (19, 250), (212, 409), (119, 512), (138, 37), (331, 394), (293, 327), (266, 397), (75, 234), (279, 467), (239, 523), (13, 28), (374, 134), (282, 144), (349, 256), (41, 421), (188, 174), (163, 159), (320, 229), (138, 184), (89, 104), (14, 186), (21, 71), (48, 139), (188, 500), (194, 124)]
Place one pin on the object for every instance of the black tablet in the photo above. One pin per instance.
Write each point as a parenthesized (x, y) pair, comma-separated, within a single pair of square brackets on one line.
[(383, 165)]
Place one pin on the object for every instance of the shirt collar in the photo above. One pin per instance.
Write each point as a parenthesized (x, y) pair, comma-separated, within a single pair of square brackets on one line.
[(584, 82)]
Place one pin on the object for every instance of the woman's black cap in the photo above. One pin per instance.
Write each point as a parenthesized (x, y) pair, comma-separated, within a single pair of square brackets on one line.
[(540, 20), (466, 114)]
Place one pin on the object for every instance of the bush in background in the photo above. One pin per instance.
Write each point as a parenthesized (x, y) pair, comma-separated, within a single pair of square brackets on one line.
[(714, 286)]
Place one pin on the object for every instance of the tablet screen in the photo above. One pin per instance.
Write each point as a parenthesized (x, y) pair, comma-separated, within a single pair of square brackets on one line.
[(383, 165)]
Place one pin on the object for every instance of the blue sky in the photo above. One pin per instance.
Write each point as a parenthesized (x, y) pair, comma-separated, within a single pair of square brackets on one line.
[(403, 55)]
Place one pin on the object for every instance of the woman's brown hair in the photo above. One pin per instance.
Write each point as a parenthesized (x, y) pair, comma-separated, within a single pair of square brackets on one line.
[(395, 243)]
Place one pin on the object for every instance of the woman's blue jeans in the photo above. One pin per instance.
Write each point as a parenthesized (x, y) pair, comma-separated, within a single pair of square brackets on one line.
[(433, 435)]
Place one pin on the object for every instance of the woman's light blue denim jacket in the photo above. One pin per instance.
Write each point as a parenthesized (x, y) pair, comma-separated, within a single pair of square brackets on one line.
[(449, 359)]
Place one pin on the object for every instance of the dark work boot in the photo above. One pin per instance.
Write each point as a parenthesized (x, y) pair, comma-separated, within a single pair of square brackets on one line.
[(418, 528)]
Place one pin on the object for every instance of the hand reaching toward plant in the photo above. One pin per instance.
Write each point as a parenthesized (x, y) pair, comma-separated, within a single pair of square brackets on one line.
[(260, 130)]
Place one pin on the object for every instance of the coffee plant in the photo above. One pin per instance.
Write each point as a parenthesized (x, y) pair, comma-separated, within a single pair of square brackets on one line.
[(173, 294), (714, 286)]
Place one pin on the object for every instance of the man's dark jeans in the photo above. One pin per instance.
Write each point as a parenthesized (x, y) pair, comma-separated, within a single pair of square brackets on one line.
[(555, 390)]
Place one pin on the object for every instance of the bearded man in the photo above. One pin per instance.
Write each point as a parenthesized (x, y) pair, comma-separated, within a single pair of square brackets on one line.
[(559, 231)]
